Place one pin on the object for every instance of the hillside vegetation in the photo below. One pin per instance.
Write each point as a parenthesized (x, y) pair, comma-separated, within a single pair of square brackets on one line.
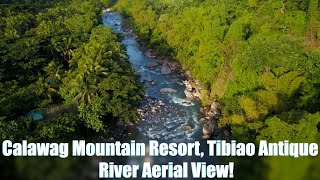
[(260, 58)]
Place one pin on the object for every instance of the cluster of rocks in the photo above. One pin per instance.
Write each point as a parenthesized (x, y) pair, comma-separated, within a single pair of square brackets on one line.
[(211, 112), (149, 107), (193, 87), (191, 92), (151, 53), (168, 67), (211, 130)]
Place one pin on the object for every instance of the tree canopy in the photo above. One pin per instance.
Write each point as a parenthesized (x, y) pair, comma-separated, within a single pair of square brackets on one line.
[(259, 58)]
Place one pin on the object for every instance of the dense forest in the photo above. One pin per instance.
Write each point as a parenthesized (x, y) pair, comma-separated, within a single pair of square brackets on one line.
[(62, 74), (260, 58)]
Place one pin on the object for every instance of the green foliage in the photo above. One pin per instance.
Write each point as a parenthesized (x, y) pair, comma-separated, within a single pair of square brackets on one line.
[(55, 58), (101, 81), (305, 131), (8, 130), (63, 126)]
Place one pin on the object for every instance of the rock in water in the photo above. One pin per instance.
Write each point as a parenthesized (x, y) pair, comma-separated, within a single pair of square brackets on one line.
[(167, 90), (152, 65), (179, 83), (153, 82), (165, 70)]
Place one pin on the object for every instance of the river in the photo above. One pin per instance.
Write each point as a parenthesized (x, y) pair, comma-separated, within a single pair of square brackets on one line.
[(167, 122)]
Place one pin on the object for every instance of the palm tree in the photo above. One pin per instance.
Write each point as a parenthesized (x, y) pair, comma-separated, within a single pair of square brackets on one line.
[(53, 71)]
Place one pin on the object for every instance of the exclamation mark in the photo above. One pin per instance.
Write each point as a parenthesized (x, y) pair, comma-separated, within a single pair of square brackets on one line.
[(231, 167)]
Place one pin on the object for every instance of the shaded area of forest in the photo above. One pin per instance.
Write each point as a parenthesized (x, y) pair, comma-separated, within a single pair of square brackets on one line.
[(260, 58), (63, 76)]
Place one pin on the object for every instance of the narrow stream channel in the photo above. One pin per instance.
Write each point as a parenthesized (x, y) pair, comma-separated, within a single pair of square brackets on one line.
[(167, 122)]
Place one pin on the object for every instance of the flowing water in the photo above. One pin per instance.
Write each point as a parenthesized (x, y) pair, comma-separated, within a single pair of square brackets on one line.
[(177, 112), (166, 123)]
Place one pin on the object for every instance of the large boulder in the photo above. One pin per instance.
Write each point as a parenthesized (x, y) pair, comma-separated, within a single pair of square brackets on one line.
[(167, 91), (209, 128), (152, 65), (165, 70), (149, 53)]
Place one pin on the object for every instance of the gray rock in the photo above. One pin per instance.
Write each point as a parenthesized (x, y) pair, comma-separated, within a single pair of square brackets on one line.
[(209, 128), (161, 103), (152, 65), (153, 82), (167, 91), (179, 83)]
